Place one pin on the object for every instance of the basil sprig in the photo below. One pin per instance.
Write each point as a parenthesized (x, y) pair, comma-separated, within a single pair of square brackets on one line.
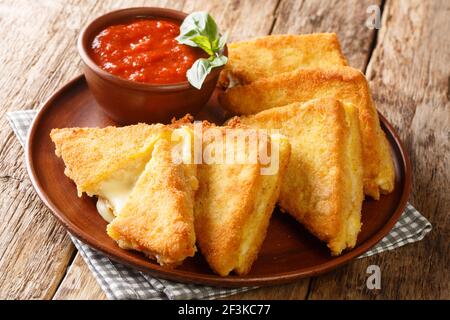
[(200, 30)]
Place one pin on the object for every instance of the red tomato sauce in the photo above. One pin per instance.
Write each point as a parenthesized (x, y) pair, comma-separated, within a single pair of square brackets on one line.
[(144, 50)]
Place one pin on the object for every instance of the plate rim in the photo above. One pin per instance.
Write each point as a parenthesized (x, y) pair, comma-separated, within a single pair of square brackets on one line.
[(212, 279)]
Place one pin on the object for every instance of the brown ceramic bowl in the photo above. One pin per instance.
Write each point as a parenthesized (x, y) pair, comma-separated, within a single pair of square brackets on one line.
[(128, 102)]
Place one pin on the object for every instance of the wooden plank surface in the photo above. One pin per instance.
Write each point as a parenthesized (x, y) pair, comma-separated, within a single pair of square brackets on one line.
[(408, 74), (346, 18), (79, 283), (409, 77), (34, 248)]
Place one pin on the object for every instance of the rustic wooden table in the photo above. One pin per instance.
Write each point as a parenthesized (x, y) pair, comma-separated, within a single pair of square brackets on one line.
[(407, 62)]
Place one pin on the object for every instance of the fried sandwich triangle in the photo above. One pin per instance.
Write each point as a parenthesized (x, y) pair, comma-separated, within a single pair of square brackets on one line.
[(235, 202), (151, 202), (323, 186), (148, 199), (342, 83)]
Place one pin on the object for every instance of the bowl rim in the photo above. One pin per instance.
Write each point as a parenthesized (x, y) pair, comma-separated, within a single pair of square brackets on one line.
[(107, 20)]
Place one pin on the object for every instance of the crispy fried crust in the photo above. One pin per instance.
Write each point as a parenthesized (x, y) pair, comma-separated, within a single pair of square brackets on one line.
[(233, 207), (92, 154), (322, 187), (267, 56), (158, 216), (343, 83), (255, 230)]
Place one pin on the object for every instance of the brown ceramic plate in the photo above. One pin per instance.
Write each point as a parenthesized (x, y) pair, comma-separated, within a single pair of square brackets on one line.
[(289, 251)]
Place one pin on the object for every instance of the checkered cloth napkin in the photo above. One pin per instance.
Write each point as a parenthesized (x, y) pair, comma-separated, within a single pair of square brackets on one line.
[(121, 282)]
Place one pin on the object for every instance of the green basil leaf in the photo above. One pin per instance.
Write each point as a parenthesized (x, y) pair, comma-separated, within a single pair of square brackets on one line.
[(204, 43), (186, 38), (200, 30), (195, 21), (198, 72), (215, 45), (223, 41), (199, 24), (186, 41), (218, 61), (211, 28)]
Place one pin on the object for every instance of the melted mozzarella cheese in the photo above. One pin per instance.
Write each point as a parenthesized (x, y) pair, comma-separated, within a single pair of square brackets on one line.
[(105, 209), (113, 192)]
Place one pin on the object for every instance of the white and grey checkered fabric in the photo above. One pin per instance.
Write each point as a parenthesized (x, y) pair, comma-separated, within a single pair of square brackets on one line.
[(121, 282)]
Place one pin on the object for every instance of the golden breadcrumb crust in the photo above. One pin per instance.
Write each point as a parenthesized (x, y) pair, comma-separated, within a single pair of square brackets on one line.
[(342, 83), (233, 207), (92, 154), (270, 55), (322, 187), (255, 229), (158, 217)]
